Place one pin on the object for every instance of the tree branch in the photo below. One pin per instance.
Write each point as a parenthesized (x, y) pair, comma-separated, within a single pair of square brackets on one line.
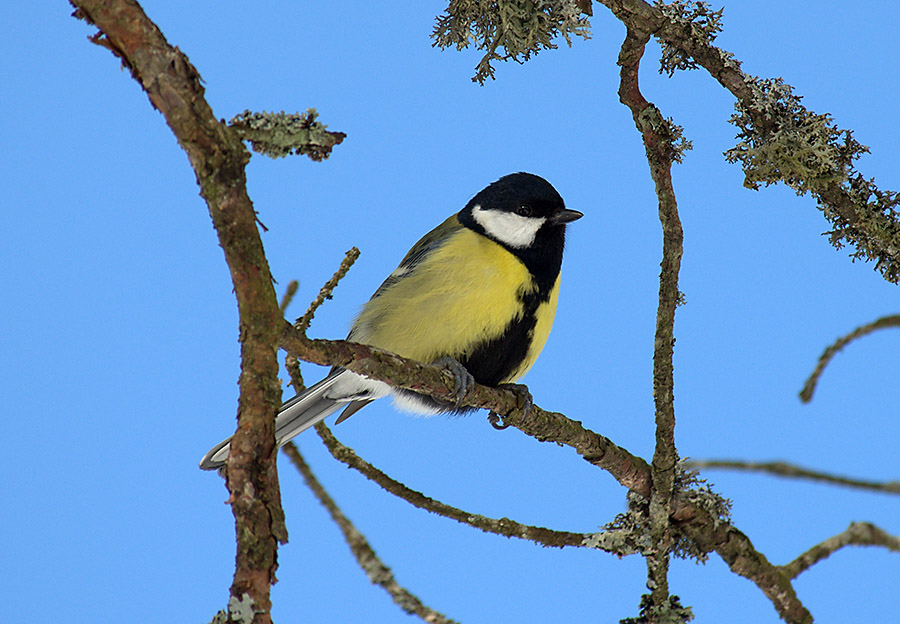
[(857, 534), (350, 257), (784, 469), (661, 141), (707, 531), (782, 141), (503, 526), (658, 137), (809, 387), (378, 573), (218, 158)]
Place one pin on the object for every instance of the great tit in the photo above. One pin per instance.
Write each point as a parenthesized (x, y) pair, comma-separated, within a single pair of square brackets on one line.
[(477, 294)]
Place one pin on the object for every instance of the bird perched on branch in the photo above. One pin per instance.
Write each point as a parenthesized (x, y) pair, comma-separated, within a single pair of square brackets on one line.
[(476, 295)]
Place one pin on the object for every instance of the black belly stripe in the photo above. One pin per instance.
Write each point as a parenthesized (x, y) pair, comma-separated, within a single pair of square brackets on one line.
[(496, 359)]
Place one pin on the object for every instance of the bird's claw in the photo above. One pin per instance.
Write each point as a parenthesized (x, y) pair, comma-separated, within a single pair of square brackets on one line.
[(494, 419), (463, 378)]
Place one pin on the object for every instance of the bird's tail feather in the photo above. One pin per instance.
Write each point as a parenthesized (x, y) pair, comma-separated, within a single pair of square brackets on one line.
[(296, 415)]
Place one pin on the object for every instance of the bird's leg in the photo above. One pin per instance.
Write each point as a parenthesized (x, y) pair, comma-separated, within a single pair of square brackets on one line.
[(463, 378)]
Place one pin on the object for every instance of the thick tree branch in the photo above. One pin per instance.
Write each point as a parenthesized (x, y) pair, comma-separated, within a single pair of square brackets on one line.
[(218, 158), (365, 556), (809, 387), (857, 534)]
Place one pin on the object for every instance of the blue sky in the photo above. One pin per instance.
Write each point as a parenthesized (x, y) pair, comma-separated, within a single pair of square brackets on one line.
[(119, 341)]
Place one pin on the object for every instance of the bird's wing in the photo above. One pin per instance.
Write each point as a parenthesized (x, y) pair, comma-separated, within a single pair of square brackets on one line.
[(428, 243)]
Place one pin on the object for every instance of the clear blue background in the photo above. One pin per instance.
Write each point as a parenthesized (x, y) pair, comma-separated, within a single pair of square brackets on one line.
[(118, 325)]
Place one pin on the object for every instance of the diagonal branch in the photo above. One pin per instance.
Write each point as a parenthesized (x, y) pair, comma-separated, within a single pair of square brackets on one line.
[(784, 469), (629, 470), (218, 158), (707, 532), (371, 564), (809, 387), (503, 526), (857, 534)]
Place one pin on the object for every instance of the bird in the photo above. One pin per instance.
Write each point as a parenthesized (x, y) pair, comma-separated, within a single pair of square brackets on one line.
[(477, 295)]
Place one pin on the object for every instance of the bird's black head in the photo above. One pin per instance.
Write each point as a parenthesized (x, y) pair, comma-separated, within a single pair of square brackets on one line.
[(525, 214)]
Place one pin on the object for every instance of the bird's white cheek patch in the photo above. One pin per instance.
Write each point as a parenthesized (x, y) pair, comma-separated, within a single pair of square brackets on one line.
[(506, 227)]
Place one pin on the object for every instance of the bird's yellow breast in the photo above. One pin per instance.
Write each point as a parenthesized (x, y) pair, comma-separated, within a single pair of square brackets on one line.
[(463, 294)]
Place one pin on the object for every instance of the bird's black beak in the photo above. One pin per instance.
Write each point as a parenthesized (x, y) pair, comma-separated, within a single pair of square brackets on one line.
[(565, 216)]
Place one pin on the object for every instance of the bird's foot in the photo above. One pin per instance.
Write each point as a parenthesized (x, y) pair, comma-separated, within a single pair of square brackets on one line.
[(462, 378), (524, 400)]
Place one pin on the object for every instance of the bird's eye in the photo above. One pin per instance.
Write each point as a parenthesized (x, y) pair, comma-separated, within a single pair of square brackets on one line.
[(523, 211)]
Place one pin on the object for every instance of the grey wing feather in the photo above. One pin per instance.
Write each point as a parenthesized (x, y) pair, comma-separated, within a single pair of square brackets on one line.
[(428, 243), (296, 415)]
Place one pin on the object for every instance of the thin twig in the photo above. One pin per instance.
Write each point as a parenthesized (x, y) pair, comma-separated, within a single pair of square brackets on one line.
[(291, 363), (288, 295), (857, 534), (303, 322), (503, 526), (809, 387), (378, 573), (784, 469)]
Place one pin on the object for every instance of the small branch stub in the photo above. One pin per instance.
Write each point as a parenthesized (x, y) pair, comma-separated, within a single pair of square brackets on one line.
[(277, 135)]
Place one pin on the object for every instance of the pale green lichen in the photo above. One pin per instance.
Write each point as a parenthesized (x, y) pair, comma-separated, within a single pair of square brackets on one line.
[(704, 23), (667, 130), (630, 532), (671, 613), (242, 609), (277, 135), (508, 29), (779, 140), (695, 491)]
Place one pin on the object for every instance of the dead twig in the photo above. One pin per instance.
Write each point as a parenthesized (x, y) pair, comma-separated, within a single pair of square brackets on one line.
[(857, 534), (785, 469), (809, 387)]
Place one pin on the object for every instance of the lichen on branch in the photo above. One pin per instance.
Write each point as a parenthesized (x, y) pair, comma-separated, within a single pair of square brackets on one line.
[(277, 135), (704, 23), (509, 29), (779, 140)]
